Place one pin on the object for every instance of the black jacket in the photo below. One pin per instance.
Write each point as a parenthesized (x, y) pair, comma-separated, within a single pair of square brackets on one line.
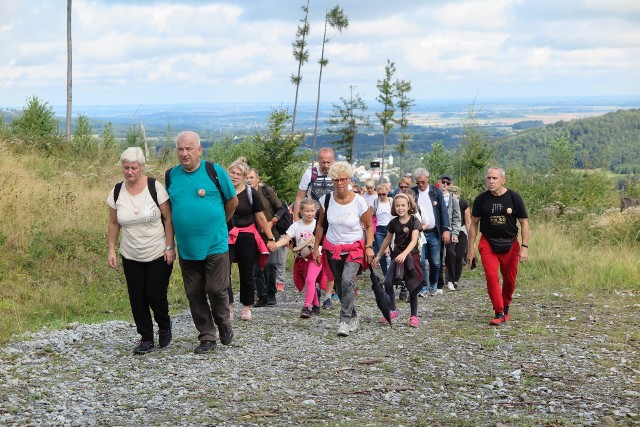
[(439, 208)]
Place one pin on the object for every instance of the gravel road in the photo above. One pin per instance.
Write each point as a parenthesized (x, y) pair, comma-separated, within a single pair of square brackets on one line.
[(555, 363)]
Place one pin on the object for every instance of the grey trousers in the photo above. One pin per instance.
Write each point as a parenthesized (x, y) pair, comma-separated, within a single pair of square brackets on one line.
[(345, 284), (206, 282), (281, 263)]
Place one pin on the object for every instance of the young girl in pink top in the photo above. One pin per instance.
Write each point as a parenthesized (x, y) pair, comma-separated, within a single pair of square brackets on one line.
[(306, 273)]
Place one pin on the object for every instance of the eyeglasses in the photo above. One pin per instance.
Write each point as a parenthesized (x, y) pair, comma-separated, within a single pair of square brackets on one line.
[(403, 186), (340, 180), (446, 182), (421, 182)]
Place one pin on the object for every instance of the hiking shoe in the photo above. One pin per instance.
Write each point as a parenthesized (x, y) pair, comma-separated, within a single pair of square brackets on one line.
[(507, 316), (328, 304), (271, 300), (280, 287), (262, 302), (315, 310), (246, 313), (414, 322), (439, 292), (226, 333), (305, 313), (343, 329), (394, 315), (496, 321), (144, 347), (205, 346), (353, 325), (164, 337), (423, 292), (450, 286)]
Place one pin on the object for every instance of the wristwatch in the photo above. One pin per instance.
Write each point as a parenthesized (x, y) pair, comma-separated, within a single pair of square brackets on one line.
[(168, 248), (272, 239), (368, 247)]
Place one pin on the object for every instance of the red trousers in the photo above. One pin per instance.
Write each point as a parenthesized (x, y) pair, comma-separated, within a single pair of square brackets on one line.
[(508, 264)]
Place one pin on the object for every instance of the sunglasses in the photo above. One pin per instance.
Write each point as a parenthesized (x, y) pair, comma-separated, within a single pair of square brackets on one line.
[(446, 182), (403, 186), (340, 180), (382, 194), (357, 192), (421, 182)]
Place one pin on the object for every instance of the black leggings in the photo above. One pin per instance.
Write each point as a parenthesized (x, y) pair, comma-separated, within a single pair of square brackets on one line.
[(245, 252), (455, 258)]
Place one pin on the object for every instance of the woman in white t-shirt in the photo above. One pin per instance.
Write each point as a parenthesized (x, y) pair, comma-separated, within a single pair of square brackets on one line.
[(146, 247), (343, 214), (382, 212)]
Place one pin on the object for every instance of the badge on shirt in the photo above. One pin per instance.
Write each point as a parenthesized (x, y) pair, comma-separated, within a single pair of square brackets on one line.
[(509, 210), (201, 192)]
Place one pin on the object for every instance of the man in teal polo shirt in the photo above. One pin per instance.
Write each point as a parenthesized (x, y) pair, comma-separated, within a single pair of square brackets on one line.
[(200, 214)]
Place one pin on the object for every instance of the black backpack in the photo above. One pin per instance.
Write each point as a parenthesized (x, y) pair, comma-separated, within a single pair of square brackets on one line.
[(284, 215), (211, 171), (151, 185)]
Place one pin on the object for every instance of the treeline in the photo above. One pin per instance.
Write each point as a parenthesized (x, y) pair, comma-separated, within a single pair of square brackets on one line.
[(610, 141)]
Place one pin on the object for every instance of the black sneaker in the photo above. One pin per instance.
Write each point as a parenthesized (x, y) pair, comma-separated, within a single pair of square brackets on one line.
[(305, 313), (144, 347), (226, 334), (315, 310), (262, 302), (271, 300), (205, 346), (164, 337)]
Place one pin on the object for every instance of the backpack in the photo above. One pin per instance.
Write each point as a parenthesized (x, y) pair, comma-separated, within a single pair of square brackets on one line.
[(211, 171), (151, 185), (285, 219)]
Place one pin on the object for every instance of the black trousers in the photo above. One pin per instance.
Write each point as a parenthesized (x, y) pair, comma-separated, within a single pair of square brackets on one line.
[(245, 251), (265, 279), (147, 283)]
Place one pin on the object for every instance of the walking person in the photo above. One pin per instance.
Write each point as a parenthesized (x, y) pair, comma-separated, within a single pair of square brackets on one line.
[(435, 226), (203, 200), (404, 229), (456, 259), (343, 214), (246, 245), (498, 211), (140, 207), (453, 211), (382, 215), (315, 183), (369, 192), (306, 272)]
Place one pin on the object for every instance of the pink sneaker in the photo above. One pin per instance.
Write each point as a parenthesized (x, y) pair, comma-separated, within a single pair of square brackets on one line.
[(413, 321), (394, 315), (280, 287)]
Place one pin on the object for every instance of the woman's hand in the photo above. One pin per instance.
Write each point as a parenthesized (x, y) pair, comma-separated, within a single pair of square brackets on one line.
[(316, 256), (112, 260), (375, 261), (271, 245), (369, 255), (169, 256), (400, 258)]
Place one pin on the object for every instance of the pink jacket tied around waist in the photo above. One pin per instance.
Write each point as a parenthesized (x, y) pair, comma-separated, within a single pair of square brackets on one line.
[(263, 252), (355, 253)]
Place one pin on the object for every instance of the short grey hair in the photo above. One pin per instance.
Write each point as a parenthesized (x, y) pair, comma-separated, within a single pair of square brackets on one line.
[(499, 169), (340, 168), (133, 155), (421, 172), (188, 134)]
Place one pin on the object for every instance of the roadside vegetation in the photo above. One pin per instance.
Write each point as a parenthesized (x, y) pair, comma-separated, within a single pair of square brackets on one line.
[(53, 220)]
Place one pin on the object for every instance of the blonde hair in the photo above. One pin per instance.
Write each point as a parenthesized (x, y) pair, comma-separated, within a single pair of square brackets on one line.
[(307, 201), (412, 205), (404, 180), (340, 168), (133, 155), (241, 164)]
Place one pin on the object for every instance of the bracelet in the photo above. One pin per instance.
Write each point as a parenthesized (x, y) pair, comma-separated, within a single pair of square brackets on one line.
[(524, 246), (368, 247)]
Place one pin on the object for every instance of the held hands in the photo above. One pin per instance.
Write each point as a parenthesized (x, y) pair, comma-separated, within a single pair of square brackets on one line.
[(375, 261), (369, 255), (271, 246)]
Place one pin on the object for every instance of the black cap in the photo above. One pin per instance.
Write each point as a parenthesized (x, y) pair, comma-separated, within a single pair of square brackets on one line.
[(445, 176)]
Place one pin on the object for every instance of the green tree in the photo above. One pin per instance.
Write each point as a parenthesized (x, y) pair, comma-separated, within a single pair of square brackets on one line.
[(274, 155), (562, 155), (108, 141), (134, 136), (438, 161), (37, 126), (475, 154), (350, 115), (301, 54), (404, 104), (387, 98), (336, 19), (83, 139)]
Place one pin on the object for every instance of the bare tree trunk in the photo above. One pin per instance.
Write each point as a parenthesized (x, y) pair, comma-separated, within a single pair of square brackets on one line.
[(144, 138), (69, 74), (315, 128)]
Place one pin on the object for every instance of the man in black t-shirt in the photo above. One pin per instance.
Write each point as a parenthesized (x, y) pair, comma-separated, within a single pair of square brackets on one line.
[(496, 210)]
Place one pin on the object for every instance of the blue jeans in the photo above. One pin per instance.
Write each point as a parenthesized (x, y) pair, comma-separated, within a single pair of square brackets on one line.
[(431, 252), (378, 238)]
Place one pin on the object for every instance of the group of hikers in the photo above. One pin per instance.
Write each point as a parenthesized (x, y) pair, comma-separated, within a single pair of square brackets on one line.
[(420, 236)]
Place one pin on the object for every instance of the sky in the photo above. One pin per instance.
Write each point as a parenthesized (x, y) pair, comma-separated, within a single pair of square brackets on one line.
[(169, 52)]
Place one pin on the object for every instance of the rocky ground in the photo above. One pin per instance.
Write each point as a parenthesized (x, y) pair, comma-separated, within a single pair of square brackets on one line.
[(556, 363)]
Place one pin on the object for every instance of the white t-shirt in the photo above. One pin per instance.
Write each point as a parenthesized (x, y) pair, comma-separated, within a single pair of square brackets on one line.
[(426, 208), (370, 198), (143, 237), (383, 212), (300, 231), (344, 220)]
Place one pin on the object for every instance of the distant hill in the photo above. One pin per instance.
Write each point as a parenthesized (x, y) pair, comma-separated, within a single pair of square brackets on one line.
[(610, 141)]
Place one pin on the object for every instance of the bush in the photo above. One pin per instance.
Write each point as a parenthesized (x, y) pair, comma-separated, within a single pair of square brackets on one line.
[(37, 126)]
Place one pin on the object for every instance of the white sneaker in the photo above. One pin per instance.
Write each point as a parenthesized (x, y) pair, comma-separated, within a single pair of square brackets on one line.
[(343, 330), (439, 292), (353, 326), (450, 286)]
